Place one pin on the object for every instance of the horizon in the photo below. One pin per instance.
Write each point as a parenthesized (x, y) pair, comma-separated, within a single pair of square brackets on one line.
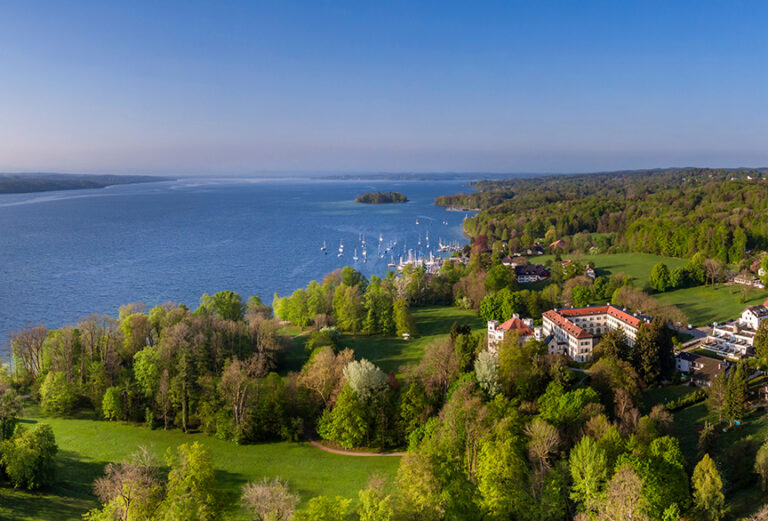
[(236, 89)]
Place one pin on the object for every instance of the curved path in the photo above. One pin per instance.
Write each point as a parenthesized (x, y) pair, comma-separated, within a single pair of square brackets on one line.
[(351, 453)]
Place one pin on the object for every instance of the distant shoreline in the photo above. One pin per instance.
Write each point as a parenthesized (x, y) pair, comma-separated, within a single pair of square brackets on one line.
[(43, 182)]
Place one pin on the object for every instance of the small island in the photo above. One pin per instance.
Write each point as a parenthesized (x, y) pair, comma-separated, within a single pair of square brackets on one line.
[(381, 198)]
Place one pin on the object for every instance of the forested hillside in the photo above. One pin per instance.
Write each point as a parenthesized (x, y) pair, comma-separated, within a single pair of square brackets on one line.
[(675, 212)]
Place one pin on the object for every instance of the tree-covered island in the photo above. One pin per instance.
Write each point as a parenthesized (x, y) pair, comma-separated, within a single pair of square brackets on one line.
[(381, 198)]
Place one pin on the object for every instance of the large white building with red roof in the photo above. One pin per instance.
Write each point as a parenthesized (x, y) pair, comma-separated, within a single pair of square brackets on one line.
[(522, 326), (575, 331)]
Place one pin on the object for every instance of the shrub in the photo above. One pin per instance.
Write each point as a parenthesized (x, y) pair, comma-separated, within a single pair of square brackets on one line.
[(56, 394)]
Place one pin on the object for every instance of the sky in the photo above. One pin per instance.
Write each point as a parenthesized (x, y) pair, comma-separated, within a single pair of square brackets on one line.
[(242, 88)]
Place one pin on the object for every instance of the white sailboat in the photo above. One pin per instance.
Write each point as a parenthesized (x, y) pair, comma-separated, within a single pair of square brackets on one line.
[(341, 248), (354, 257)]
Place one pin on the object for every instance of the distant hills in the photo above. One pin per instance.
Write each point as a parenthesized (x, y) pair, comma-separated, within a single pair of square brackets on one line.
[(47, 182)]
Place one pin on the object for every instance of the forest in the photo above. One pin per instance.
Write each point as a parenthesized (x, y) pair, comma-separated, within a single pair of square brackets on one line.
[(675, 212), (27, 183), (381, 198)]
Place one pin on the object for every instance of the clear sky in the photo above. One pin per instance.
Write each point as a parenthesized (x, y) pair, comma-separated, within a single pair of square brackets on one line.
[(533, 86)]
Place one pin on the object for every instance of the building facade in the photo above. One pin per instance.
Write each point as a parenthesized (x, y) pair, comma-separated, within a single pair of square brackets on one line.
[(735, 339), (575, 331), (522, 326)]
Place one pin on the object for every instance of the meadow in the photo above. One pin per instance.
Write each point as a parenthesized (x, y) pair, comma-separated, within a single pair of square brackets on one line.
[(86, 446), (391, 353)]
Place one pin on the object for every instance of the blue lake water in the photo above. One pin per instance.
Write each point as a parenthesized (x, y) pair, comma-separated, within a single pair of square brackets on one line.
[(64, 255)]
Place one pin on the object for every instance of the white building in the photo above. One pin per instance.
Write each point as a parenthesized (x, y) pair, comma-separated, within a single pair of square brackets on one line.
[(735, 338), (522, 326), (575, 332)]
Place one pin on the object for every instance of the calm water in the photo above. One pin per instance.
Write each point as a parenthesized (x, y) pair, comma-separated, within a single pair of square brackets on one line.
[(64, 255)]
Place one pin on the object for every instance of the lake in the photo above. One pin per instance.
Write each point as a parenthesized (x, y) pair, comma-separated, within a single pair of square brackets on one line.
[(65, 255)]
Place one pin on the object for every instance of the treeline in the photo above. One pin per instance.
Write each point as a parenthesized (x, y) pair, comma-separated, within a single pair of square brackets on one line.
[(167, 367), (27, 183), (381, 198), (679, 212), (351, 303)]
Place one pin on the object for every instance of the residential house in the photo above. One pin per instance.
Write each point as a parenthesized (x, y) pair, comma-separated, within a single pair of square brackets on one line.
[(522, 326), (701, 369), (531, 273)]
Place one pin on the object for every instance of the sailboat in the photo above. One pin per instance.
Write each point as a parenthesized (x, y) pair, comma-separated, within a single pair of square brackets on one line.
[(341, 248), (324, 248), (354, 257)]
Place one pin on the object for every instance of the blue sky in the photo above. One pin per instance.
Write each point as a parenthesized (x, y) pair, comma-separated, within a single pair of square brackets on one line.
[(227, 87)]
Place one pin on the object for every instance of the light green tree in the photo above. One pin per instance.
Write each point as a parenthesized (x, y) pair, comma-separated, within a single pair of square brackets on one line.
[(324, 508), (589, 471), (29, 457), (660, 277), (56, 394), (191, 488), (707, 486), (112, 404)]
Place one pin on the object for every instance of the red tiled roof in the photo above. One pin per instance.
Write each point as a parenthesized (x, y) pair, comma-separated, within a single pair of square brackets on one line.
[(516, 324), (560, 318), (566, 324)]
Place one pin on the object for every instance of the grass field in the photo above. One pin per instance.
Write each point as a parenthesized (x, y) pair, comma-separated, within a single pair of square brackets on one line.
[(389, 353), (662, 395), (706, 304), (636, 265), (85, 446)]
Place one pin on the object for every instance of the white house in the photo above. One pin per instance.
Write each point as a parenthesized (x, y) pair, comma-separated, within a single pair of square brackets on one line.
[(522, 326)]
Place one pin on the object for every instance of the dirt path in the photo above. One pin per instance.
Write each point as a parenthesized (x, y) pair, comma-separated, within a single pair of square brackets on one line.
[(352, 453)]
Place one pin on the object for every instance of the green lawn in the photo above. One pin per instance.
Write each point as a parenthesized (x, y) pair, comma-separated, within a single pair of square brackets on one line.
[(85, 446), (636, 265), (662, 395), (706, 304), (390, 353)]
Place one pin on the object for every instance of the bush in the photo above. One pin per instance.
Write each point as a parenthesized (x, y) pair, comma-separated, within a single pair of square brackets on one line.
[(112, 404), (684, 401), (56, 394), (29, 457)]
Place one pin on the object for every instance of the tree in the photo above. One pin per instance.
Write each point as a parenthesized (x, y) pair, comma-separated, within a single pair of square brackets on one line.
[(56, 395), (660, 277), (716, 395), (500, 277), (227, 304), (522, 368), (365, 379), (324, 508), (761, 465), (487, 372), (761, 340), (269, 500), (347, 423), (623, 497), (29, 457), (544, 441), (10, 407), (735, 405), (323, 373), (236, 388), (191, 489), (707, 486), (129, 491), (581, 295), (502, 475), (374, 504), (27, 347), (404, 322), (589, 470), (112, 404)]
